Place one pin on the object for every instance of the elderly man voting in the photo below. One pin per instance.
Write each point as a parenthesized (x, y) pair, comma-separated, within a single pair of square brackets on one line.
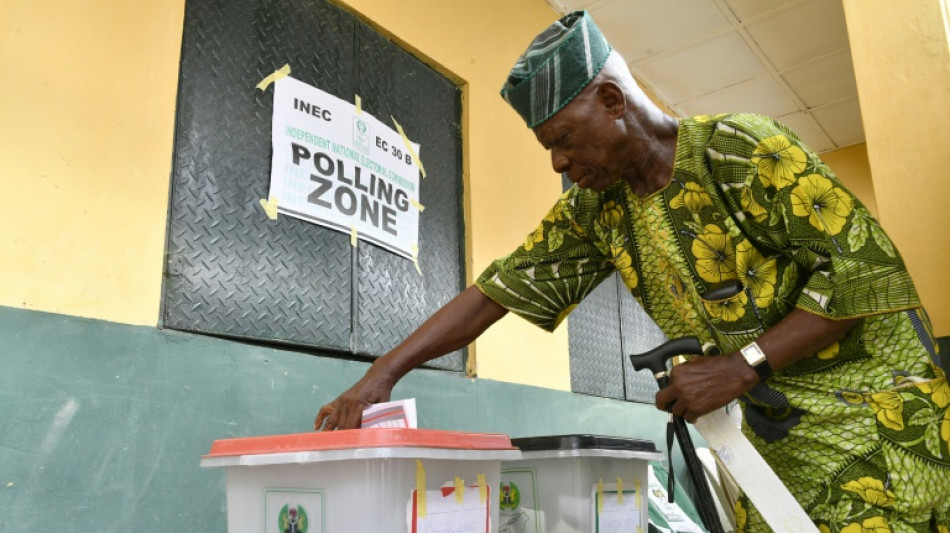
[(823, 340)]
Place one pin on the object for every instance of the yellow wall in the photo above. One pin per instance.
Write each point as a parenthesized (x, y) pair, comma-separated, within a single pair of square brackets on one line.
[(86, 127), (902, 66), (86, 123), (945, 8), (507, 171), (852, 168), (87, 118)]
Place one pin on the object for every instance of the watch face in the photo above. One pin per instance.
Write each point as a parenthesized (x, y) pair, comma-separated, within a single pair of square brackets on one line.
[(756, 359), (753, 354)]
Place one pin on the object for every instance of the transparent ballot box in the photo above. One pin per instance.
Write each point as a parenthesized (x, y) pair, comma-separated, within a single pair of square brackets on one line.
[(576, 483), (364, 480)]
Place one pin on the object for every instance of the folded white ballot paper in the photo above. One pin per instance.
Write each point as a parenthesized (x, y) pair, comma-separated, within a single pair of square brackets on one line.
[(397, 414)]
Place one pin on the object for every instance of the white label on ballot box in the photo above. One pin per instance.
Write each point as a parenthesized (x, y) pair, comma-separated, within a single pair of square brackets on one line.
[(614, 516), (293, 511), (444, 514)]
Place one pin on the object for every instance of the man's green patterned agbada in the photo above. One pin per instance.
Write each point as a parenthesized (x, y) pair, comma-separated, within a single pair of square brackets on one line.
[(859, 431)]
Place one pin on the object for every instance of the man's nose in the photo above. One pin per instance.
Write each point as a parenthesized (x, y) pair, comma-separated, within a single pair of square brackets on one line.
[(559, 161)]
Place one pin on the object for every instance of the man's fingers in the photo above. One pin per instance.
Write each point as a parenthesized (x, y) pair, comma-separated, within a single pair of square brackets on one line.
[(690, 415), (354, 418), (338, 415), (341, 414), (664, 398), (678, 408), (321, 417), (330, 423)]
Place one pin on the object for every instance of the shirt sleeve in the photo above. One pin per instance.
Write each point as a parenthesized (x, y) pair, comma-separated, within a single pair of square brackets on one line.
[(788, 200), (558, 265)]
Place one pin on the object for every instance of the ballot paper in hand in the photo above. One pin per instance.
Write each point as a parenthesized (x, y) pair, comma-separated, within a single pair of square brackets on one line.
[(398, 414)]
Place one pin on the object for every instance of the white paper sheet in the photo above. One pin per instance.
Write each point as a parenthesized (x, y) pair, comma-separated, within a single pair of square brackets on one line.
[(614, 516), (396, 414), (445, 515), (341, 169)]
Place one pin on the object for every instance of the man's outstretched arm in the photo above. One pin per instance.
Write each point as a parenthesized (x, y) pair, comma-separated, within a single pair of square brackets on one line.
[(455, 325)]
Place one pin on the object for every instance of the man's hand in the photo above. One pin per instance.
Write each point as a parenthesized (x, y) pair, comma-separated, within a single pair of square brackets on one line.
[(453, 326), (706, 383), (346, 411)]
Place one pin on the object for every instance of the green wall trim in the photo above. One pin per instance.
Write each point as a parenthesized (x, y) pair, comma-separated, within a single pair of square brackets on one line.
[(104, 423)]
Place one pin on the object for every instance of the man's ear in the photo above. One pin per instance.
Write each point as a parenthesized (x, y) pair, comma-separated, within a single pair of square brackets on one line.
[(611, 98)]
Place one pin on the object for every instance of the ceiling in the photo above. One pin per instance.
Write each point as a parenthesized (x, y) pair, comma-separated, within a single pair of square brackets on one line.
[(789, 59)]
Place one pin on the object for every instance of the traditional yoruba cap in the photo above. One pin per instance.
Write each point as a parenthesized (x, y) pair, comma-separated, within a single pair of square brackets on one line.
[(557, 65)]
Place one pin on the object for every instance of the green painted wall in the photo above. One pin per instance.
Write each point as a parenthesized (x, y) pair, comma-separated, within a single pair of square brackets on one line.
[(103, 424)]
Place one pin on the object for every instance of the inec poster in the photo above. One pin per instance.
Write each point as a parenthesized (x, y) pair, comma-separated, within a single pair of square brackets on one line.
[(341, 168)]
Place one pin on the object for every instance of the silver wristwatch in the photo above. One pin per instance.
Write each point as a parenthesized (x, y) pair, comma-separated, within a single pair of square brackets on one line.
[(754, 355)]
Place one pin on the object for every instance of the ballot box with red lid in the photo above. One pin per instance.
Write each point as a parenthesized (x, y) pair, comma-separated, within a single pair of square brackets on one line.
[(364, 480)]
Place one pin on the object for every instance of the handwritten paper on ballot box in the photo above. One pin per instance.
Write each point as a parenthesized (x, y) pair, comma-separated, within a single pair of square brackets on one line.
[(445, 512), (613, 513)]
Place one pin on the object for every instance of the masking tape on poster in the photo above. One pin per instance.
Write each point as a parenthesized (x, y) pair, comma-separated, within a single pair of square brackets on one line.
[(276, 75), (415, 258), (415, 156), (270, 207)]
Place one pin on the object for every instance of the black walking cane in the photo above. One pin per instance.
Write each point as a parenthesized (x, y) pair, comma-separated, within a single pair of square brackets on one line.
[(655, 361)]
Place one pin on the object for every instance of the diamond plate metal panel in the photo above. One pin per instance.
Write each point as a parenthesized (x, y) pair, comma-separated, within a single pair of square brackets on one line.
[(230, 270), (594, 343), (639, 333), (605, 324), (392, 298)]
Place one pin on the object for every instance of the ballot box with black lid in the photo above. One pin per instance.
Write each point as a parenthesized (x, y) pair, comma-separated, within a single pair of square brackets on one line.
[(365, 480), (576, 483)]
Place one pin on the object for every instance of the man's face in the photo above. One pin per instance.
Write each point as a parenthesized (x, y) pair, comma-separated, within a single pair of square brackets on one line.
[(581, 138)]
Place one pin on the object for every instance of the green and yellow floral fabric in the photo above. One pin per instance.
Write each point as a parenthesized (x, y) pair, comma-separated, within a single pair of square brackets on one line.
[(859, 431)]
